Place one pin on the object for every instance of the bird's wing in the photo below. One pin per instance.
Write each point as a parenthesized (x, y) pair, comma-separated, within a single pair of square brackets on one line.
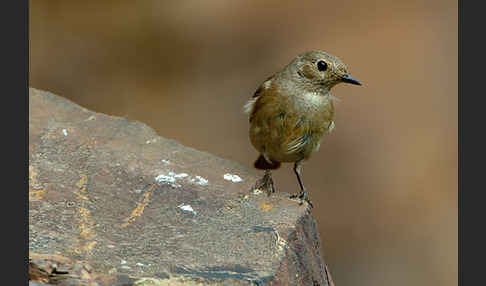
[(265, 85), (252, 106), (277, 124), (298, 142)]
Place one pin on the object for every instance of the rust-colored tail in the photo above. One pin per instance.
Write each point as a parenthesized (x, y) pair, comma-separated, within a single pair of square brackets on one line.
[(262, 164)]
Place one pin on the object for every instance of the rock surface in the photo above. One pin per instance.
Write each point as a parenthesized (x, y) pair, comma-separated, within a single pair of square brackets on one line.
[(113, 203)]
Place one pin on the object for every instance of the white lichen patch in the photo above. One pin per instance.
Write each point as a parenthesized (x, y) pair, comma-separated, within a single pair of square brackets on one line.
[(199, 181), (165, 179), (232, 178), (64, 132), (151, 141), (172, 178), (187, 208), (280, 243), (181, 175)]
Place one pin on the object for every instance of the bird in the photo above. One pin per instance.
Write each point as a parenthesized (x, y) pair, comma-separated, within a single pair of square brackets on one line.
[(291, 111)]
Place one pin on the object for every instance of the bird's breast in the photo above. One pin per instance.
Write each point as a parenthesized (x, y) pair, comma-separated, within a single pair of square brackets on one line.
[(316, 109)]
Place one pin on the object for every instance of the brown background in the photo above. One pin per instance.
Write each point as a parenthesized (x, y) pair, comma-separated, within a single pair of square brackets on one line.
[(384, 183)]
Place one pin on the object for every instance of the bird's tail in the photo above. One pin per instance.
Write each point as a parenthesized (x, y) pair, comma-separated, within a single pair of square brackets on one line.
[(262, 164)]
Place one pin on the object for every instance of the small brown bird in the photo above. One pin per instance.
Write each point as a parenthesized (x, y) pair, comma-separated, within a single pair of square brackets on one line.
[(291, 111)]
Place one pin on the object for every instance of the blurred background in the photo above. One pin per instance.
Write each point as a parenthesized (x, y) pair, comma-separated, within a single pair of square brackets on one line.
[(384, 183)]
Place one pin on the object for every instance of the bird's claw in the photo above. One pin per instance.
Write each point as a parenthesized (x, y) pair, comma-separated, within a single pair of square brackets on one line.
[(265, 183), (303, 198)]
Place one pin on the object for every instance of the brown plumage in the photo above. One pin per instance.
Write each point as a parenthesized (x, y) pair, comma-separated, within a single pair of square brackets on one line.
[(291, 111)]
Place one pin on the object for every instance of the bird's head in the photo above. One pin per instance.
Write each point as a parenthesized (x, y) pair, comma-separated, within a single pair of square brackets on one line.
[(320, 70)]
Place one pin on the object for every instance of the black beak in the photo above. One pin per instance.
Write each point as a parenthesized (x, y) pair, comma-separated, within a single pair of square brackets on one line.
[(349, 79)]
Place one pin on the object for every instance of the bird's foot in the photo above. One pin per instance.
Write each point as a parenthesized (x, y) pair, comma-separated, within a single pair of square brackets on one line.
[(265, 183), (303, 198)]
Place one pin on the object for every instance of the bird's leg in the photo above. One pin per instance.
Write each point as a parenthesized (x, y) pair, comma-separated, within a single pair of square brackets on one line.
[(302, 195), (266, 183)]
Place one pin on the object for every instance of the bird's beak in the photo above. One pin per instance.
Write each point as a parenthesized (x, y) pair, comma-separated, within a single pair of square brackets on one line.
[(349, 79)]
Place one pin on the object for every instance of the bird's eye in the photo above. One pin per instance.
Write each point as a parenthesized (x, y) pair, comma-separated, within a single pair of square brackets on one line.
[(321, 65)]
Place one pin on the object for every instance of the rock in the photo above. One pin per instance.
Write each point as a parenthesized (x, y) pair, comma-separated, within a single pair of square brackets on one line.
[(113, 203)]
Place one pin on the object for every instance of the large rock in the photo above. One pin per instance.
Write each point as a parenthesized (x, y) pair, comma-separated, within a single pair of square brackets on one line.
[(113, 203)]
